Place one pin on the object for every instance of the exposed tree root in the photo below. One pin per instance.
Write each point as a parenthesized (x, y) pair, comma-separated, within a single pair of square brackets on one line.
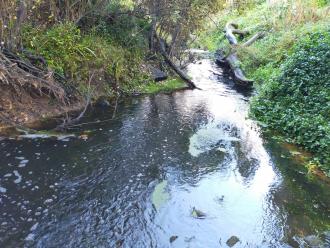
[(68, 121), (21, 75)]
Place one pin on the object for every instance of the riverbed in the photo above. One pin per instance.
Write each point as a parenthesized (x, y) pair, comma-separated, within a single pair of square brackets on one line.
[(187, 169)]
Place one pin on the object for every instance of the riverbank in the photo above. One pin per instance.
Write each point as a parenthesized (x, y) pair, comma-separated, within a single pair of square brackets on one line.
[(290, 69), (63, 67), (31, 112)]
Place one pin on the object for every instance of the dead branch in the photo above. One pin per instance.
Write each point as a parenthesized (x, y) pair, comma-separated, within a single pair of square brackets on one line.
[(256, 37)]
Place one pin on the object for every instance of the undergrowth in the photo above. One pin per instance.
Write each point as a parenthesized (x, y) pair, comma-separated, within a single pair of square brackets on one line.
[(77, 56)]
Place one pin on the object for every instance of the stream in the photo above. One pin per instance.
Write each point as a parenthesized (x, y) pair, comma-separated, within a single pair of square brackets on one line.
[(186, 169)]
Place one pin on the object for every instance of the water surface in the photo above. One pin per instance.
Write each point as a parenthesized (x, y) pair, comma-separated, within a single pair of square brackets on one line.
[(133, 180)]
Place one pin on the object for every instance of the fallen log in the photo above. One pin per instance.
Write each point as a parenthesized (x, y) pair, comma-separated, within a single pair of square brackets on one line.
[(229, 33), (254, 38), (239, 76), (168, 60), (232, 59)]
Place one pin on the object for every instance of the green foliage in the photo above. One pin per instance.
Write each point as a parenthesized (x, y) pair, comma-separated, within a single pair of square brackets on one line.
[(322, 3), (62, 46), (122, 27), (296, 99), (76, 56)]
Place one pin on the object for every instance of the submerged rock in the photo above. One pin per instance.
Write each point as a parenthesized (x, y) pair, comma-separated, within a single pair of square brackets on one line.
[(233, 240), (173, 238), (198, 214), (160, 196), (220, 199), (157, 74), (119, 243), (102, 103)]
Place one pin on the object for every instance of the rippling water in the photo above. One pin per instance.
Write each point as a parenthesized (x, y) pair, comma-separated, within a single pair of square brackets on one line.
[(136, 179)]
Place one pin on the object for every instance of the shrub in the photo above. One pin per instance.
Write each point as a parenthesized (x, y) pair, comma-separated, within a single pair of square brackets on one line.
[(62, 46), (296, 101), (76, 56)]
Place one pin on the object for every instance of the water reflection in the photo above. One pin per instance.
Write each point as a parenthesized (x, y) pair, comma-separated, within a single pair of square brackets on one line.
[(97, 192)]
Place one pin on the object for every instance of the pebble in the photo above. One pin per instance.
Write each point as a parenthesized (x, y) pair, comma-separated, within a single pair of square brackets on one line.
[(232, 241)]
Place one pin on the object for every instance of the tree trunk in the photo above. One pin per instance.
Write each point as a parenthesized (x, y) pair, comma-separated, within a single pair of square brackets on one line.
[(20, 16), (152, 34), (233, 62)]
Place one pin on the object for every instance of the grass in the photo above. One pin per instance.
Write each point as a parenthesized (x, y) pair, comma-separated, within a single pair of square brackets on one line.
[(162, 87)]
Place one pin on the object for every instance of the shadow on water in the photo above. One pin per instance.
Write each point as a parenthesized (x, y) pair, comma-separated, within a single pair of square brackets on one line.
[(197, 148)]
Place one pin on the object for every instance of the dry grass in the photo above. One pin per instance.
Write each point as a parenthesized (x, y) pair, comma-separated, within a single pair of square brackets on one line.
[(295, 13)]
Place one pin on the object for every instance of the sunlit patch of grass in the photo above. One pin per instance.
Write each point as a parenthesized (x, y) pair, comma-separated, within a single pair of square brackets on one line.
[(164, 86)]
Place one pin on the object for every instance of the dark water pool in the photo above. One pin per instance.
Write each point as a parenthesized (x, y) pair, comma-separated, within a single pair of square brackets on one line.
[(134, 181)]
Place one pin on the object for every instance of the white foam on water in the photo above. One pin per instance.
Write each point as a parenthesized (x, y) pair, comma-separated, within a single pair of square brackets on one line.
[(47, 136), (3, 190), (30, 237), (19, 177), (34, 227), (209, 137)]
